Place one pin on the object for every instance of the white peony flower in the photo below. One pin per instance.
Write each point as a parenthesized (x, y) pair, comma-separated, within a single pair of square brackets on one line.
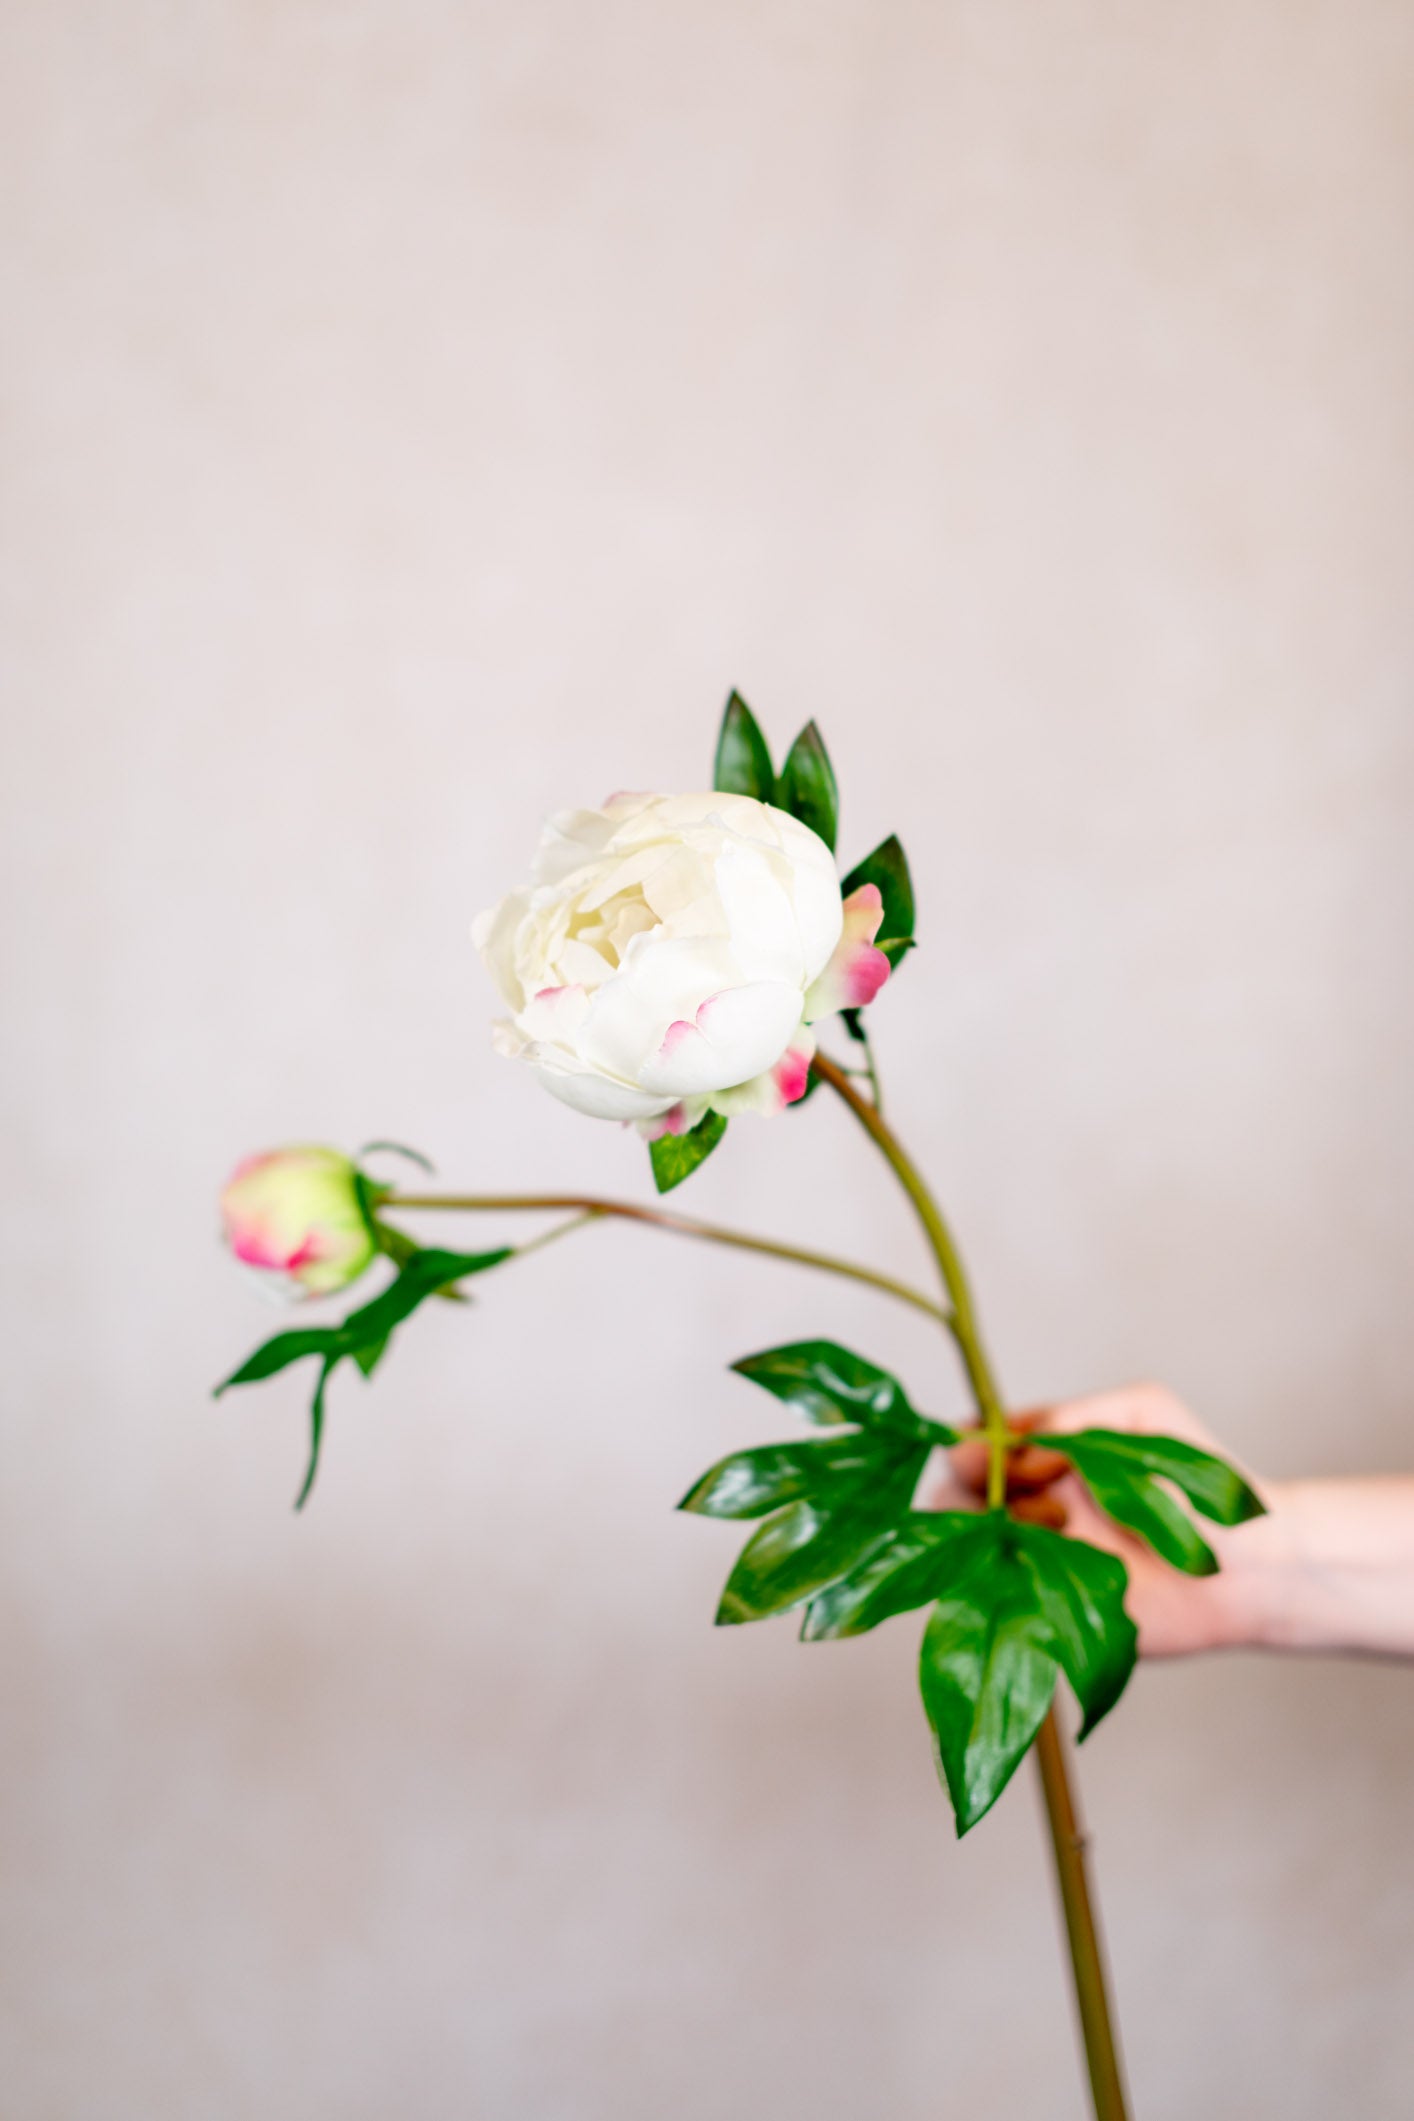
[(671, 955)]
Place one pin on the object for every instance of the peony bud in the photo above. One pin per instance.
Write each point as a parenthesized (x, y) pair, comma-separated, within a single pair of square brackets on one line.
[(673, 954), (296, 1216)]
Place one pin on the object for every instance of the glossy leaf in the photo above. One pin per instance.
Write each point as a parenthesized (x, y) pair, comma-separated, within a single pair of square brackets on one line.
[(987, 1670), (1214, 1487), (675, 1157), (743, 763), (832, 1384), (750, 1483), (800, 1549), (1080, 1592), (905, 1570), (807, 787), (887, 867), (1124, 1474)]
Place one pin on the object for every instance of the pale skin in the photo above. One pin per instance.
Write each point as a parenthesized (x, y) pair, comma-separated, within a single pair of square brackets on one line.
[(1329, 1568)]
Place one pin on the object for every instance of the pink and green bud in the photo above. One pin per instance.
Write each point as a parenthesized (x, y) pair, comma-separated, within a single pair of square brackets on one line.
[(298, 1218)]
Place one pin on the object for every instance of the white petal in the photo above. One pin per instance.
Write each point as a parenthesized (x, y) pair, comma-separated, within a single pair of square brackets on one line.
[(661, 979), (736, 1034), (856, 970), (780, 1086)]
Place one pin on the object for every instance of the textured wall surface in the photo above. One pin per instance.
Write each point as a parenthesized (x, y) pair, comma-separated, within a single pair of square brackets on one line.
[(416, 417)]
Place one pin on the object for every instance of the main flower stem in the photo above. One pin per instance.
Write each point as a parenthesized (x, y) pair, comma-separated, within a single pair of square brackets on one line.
[(1068, 1842), (585, 1208)]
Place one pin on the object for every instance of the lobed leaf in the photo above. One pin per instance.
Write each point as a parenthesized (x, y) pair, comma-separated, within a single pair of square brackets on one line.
[(807, 786), (743, 762), (906, 1570), (806, 1545), (750, 1483), (832, 1384), (987, 1671), (1124, 1474), (1080, 1592), (1213, 1487), (675, 1157)]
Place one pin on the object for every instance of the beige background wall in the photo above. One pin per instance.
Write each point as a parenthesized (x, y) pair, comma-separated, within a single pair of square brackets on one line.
[(416, 417)]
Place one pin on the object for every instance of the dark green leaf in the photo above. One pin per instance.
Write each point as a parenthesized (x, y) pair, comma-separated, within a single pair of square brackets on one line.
[(316, 1431), (831, 1384), (1080, 1591), (369, 1358), (807, 788), (809, 1543), (284, 1348), (1136, 1501), (987, 1671), (743, 765), (907, 1569), (750, 1483), (425, 1274), (676, 1156), (1212, 1486), (887, 867), (1124, 1473), (363, 1335)]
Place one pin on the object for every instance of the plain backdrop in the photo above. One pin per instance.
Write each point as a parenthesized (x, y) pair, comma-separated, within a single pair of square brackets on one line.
[(415, 419)]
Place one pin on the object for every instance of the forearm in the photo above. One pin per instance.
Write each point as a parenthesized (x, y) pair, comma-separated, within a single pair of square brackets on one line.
[(1331, 1568)]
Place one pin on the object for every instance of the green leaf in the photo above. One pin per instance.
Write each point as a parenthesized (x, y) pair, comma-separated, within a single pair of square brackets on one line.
[(676, 1156), (369, 1358), (1015, 1604), (750, 1483), (1213, 1487), (429, 1271), (887, 867), (987, 1671), (831, 1384), (1080, 1591), (1124, 1472), (277, 1353), (805, 1546), (743, 764), (363, 1335), (807, 787), (907, 1569), (316, 1431)]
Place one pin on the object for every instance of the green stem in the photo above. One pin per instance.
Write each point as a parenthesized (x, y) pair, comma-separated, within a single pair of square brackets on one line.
[(1082, 1933), (588, 1207)]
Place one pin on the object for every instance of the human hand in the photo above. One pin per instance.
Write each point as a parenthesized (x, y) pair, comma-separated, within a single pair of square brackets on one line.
[(1176, 1615)]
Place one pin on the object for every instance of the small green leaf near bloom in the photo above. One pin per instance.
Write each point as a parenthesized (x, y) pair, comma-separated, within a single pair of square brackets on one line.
[(807, 787), (675, 1157), (832, 1384), (1124, 1472), (887, 868), (362, 1336), (743, 763)]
